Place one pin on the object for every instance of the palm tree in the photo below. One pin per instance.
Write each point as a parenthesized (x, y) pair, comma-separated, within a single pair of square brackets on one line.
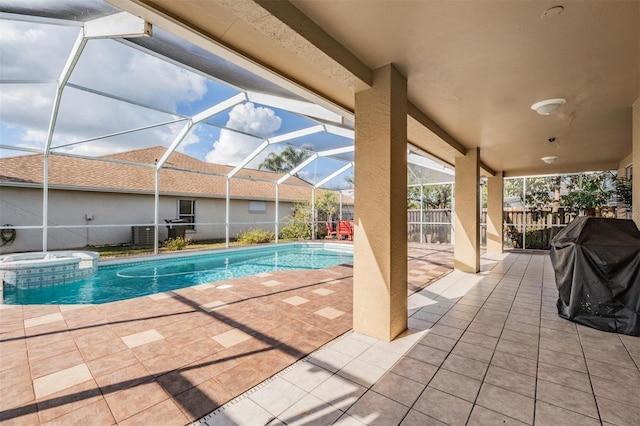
[(287, 160)]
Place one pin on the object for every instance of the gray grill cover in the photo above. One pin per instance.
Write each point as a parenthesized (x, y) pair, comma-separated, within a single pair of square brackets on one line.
[(597, 268)]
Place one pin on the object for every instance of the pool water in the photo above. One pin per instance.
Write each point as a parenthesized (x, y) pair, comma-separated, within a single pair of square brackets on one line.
[(140, 278)]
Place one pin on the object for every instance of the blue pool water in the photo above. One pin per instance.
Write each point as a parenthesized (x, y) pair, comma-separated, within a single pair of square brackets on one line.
[(140, 278)]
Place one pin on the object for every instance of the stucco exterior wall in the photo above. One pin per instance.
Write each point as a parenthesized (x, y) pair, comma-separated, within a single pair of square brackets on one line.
[(70, 209)]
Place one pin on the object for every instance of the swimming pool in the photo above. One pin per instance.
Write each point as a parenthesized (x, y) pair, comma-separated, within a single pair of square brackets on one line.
[(119, 280)]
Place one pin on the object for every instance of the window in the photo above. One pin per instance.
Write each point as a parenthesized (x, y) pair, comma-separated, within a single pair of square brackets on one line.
[(187, 211), (257, 207)]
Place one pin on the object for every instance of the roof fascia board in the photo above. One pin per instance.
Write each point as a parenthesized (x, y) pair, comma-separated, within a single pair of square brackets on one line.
[(427, 122), (311, 33)]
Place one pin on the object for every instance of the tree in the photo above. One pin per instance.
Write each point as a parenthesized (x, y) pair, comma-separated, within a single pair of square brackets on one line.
[(286, 160), (327, 206)]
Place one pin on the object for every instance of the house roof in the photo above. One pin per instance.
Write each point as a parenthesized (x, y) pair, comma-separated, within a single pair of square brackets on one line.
[(131, 171)]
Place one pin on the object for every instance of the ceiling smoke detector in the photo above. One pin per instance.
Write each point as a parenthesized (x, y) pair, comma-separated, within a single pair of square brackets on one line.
[(549, 160), (548, 106)]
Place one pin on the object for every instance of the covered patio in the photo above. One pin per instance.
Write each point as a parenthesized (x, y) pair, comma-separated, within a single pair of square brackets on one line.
[(409, 334)]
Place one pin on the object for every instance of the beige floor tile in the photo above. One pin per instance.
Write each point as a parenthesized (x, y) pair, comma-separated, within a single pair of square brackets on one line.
[(625, 393), (510, 380), (443, 407), (213, 306), (44, 319), (361, 372), (467, 366), (400, 389), (309, 411), (548, 414), (295, 300), (271, 283), (329, 313), (456, 384), (323, 291), (339, 392), (519, 407), (231, 338), (142, 338), (418, 371), (481, 416), (373, 408), (427, 354), (568, 398), (416, 418), (277, 396), (55, 382), (617, 413), (564, 376)]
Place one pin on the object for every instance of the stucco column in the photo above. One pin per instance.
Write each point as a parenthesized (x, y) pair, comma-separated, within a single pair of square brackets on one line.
[(635, 135), (494, 213), (380, 234), (467, 212)]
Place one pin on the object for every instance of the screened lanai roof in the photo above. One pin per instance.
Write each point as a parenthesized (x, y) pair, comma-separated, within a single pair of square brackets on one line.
[(82, 78)]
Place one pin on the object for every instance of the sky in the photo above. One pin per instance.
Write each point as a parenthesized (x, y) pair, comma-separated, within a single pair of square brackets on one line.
[(32, 57)]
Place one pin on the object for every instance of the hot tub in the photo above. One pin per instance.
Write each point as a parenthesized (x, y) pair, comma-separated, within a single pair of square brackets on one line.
[(26, 270)]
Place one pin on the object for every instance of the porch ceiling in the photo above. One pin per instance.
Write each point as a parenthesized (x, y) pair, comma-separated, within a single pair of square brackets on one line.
[(473, 69)]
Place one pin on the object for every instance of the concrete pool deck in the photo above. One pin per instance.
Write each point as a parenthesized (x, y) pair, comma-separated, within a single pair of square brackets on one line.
[(173, 357), (482, 349)]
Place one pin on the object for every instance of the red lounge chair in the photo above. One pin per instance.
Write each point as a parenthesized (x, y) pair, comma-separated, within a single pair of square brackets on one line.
[(331, 233), (345, 229)]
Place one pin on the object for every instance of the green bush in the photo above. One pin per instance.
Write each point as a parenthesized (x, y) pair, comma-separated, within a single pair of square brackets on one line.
[(177, 243), (256, 236), (296, 231)]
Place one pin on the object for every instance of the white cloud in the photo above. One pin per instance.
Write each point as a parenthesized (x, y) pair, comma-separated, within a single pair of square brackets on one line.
[(231, 147), (38, 52)]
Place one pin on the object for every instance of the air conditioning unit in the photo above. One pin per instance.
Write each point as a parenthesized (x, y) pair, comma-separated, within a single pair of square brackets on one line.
[(142, 235)]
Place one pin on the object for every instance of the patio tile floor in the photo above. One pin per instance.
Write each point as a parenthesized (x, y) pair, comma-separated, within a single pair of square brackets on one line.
[(482, 349)]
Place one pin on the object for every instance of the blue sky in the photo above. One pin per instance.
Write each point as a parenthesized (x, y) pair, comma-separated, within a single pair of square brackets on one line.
[(37, 52)]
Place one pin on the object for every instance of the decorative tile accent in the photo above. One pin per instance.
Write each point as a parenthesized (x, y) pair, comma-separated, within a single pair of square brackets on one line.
[(295, 300), (213, 306), (201, 287), (323, 291), (60, 380), (45, 319), (329, 313), (231, 338), (160, 296), (271, 283), (141, 338)]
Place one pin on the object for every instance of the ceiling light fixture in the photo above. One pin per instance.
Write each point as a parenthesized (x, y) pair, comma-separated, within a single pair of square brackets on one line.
[(548, 106), (549, 160)]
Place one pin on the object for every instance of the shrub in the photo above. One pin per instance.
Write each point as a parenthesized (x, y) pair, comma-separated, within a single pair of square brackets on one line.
[(256, 236), (177, 243)]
